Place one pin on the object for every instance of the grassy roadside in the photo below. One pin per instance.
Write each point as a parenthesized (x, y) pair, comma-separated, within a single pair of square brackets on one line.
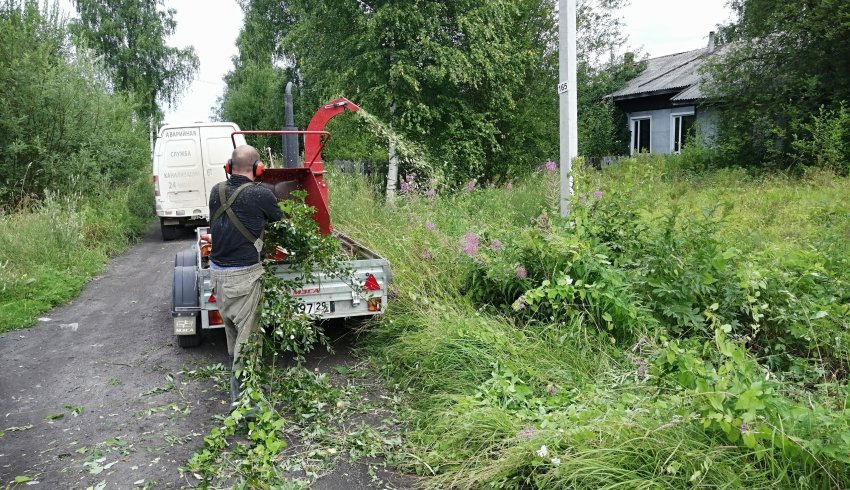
[(51, 249), (707, 347)]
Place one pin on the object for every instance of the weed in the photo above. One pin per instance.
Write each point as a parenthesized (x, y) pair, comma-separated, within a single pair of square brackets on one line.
[(159, 390), (76, 410), (507, 351)]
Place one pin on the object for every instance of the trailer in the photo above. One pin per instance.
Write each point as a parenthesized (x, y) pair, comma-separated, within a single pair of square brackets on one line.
[(194, 307)]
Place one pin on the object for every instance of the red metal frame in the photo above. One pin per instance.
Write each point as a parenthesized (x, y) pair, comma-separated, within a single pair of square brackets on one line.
[(309, 178)]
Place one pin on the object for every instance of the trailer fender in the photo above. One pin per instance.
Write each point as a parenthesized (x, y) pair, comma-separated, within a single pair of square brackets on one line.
[(186, 258)]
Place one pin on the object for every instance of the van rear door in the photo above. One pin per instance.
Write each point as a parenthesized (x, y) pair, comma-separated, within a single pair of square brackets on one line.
[(217, 148), (181, 176)]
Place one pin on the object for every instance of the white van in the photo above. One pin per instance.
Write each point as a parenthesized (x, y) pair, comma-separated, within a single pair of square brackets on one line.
[(188, 160)]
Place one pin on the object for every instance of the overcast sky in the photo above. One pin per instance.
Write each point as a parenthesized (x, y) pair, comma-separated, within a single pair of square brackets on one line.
[(658, 27)]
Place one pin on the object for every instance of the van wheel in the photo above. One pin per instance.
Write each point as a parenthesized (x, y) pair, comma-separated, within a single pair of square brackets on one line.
[(169, 232)]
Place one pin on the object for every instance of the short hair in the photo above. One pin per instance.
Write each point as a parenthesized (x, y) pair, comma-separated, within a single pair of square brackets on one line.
[(243, 158)]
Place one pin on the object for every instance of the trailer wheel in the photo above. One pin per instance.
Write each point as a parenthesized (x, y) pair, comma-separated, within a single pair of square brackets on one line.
[(169, 232), (189, 341), (185, 297)]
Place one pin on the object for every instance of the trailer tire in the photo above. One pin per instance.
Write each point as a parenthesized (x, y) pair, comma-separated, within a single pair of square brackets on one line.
[(189, 341), (169, 232)]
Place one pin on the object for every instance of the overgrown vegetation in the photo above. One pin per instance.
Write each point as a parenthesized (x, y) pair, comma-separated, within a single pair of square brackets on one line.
[(784, 84), (679, 329), (74, 185)]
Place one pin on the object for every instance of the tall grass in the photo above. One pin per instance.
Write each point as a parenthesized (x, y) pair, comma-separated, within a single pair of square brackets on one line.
[(50, 249), (500, 399)]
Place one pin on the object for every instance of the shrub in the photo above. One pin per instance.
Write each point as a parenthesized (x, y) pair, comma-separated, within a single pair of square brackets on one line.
[(825, 140)]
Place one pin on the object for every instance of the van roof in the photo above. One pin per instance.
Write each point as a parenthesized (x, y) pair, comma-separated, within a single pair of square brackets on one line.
[(166, 126)]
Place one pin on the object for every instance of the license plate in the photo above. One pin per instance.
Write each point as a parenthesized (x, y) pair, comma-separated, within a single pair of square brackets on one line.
[(316, 308)]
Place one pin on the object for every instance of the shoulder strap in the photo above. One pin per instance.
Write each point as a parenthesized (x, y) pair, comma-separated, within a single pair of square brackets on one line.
[(226, 208)]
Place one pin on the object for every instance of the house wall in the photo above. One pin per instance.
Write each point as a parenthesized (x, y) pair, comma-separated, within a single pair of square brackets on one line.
[(661, 134)]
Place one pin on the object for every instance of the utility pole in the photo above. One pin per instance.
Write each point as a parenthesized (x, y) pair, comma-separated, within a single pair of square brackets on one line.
[(567, 97)]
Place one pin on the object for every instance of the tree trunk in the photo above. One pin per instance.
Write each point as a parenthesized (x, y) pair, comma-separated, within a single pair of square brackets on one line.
[(392, 170)]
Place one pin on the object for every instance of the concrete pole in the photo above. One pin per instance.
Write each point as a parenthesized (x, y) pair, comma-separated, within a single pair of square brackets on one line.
[(568, 97)]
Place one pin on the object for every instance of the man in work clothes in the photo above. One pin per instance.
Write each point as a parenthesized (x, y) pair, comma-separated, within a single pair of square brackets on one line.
[(240, 209)]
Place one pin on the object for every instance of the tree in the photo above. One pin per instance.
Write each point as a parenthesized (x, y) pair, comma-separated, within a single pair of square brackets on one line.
[(130, 35), (785, 61), (61, 130), (473, 81)]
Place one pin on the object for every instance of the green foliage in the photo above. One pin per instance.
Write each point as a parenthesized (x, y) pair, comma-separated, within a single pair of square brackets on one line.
[(785, 64), (472, 82), (130, 36), (60, 129), (253, 99), (49, 252), (825, 140), (725, 294), (734, 395)]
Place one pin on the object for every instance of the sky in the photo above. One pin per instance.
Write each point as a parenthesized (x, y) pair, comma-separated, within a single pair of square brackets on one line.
[(656, 27), (664, 27)]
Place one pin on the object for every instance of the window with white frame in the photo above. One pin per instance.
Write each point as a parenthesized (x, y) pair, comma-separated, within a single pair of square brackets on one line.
[(641, 135), (682, 128)]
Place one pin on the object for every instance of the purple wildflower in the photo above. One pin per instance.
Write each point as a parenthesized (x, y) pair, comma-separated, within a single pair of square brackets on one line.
[(521, 304), (496, 244), (410, 178), (550, 166), (521, 273), (430, 226), (471, 185), (426, 255), (470, 243), (431, 193), (509, 185), (597, 195), (405, 187)]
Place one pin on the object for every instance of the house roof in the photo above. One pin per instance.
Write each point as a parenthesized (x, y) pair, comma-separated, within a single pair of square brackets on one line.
[(675, 73)]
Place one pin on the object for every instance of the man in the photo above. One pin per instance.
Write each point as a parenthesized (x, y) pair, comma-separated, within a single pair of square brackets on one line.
[(239, 210)]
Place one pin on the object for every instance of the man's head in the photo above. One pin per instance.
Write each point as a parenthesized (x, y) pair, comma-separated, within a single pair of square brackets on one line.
[(243, 159)]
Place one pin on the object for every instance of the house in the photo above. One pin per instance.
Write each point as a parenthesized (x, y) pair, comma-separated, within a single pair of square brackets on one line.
[(664, 105)]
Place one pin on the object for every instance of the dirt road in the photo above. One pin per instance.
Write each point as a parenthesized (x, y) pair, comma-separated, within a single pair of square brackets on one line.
[(106, 362), (99, 394)]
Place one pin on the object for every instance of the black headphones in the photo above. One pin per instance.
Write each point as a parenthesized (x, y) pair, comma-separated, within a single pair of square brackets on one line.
[(257, 168)]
